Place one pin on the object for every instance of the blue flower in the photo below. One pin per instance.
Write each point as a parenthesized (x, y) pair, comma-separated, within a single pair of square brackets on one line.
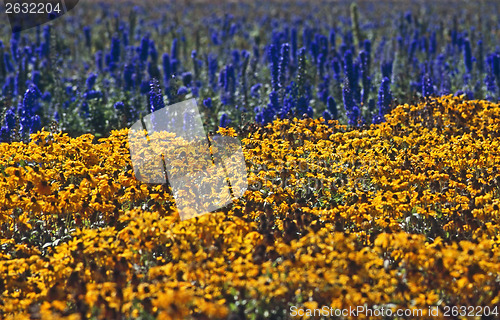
[(144, 49), (351, 74), (336, 69), (322, 44), (331, 106), (108, 59), (215, 38), (153, 52), (120, 106), (212, 70), (259, 118), (145, 86), (467, 56), (8, 88), (236, 57), (99, 60), (494, 62), (384, 96), (45, 46), (412, 48), (187, 77), (432, 43), (174, 63), (314, 50), (166, 68), (86, 32), (84, 109), (207, 102), (427, 86), (321, 63), (155, 96), (5, 134), (224, 121), (408, 16), (36, 78), (322, 91), (377, 118), (36, 124), (480, 53), (174, 52), (256, 52), (232, 30), (227, 82), (367, 46), (302, 106), (128, 79), (47, 97), (386, 69), (92, 94), (274, 65), (489, 80), (90, 82), (10, 119), (230, 80), (125, 37), (353, 116), (30, 101), (182, 91), (222, 78), (267, 114), (14, 48), (284, 61), (293, 41), (331, 37), (347, 96), (115, 49), (153, 70), (254, 90), (8, 62)]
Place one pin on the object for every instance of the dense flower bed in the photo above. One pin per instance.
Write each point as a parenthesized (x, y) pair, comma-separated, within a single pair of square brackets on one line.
[(91, 70), (404, 214)]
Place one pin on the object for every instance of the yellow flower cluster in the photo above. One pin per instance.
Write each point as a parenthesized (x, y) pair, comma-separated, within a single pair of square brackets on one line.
[(404, 214)]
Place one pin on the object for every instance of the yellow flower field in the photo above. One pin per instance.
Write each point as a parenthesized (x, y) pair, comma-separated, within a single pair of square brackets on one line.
[(404, 214)]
